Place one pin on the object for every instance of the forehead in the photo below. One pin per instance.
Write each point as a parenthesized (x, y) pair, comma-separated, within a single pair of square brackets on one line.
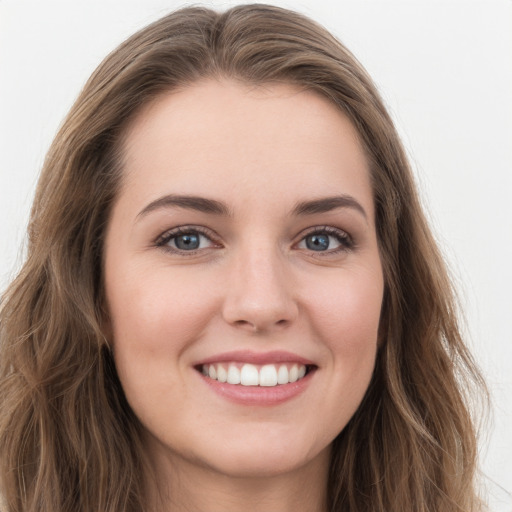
[(223, 136)]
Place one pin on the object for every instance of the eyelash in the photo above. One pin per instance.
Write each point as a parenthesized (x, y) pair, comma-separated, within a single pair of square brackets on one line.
[(343, 238), (166, 237)]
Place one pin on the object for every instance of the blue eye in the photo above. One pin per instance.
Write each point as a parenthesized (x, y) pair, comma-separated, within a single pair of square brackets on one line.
[(317, 242), (327, 239), (184, 240), (187, 242)]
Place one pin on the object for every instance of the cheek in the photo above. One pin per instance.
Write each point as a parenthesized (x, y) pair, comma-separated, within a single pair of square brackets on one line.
[(344, 312), (347, 310), (157, 310), (345, 317), (154, 318)]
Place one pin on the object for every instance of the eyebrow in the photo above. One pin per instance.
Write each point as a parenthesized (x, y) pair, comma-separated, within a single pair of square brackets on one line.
[(200, 204), (212, 206), (326, 204)]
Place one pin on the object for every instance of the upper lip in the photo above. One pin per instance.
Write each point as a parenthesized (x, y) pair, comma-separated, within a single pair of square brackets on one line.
[(247, 356)]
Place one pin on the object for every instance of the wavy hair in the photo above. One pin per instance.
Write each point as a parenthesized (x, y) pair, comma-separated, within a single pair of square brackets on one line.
[(69, 442)]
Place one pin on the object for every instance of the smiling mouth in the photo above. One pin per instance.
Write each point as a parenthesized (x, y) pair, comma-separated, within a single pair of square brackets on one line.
[(246, 374)]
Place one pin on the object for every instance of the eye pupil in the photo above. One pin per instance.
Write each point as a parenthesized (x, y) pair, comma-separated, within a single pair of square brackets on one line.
[(317, 242), (189, 241)]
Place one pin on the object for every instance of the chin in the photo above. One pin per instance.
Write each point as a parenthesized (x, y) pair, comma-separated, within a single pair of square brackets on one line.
[(263, 453), (264, 464)]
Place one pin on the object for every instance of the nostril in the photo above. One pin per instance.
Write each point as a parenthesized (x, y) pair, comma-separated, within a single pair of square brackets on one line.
[(260, 326), (243, 323)]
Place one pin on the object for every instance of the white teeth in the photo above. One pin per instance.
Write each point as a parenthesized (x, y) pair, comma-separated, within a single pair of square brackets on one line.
[(233, 375), (249, 375), (282, 375), (222, 374), (268, 375)]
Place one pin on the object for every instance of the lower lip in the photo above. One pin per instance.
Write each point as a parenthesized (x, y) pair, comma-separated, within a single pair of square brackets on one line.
[(259, 395)]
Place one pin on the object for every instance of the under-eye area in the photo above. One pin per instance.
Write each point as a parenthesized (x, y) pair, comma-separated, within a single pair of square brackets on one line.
[(247, 374)]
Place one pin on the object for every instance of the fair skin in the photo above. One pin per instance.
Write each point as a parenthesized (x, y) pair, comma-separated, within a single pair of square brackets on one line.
[(275, 264)]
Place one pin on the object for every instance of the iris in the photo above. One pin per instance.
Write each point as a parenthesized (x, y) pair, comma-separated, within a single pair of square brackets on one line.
[(317, 242), (189, 241)]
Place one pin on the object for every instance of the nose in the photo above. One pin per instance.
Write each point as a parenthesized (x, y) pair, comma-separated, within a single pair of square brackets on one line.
[(259, 293)]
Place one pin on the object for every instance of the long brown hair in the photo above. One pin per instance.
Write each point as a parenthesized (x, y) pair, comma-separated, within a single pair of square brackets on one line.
[(68, 439)]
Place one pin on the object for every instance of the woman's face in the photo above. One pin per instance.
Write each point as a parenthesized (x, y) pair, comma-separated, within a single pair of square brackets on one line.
[(242, 245)]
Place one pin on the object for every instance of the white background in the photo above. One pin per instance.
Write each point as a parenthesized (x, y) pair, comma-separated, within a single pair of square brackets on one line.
[(445, 71)]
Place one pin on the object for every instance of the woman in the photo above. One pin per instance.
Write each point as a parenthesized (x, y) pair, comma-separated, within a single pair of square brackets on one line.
[(231, 298)]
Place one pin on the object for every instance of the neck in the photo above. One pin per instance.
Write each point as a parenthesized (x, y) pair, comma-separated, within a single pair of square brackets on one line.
[(182, 486)]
